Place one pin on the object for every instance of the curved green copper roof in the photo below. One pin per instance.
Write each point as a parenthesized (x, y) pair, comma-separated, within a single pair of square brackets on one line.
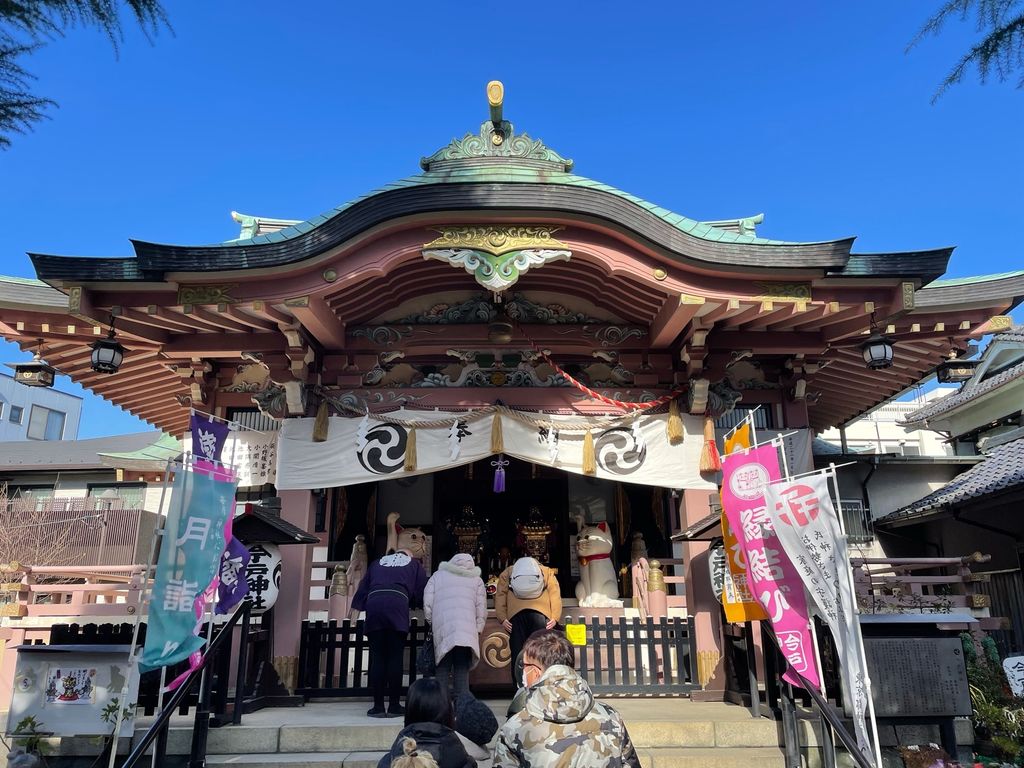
[(496, 169), (474, 159)]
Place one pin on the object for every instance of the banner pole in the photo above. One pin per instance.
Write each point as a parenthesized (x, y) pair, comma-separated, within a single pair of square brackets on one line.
[(872, 719), (146, 595)]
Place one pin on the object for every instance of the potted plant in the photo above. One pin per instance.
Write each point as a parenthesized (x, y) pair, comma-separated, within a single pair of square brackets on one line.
[(109, 716), (998, 715), (28, 744)]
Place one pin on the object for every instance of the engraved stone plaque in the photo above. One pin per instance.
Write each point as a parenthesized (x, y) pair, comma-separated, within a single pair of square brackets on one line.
[(918, 677)]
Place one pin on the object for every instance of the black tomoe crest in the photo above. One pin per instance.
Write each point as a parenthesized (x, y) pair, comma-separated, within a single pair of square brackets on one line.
[(384, 451)]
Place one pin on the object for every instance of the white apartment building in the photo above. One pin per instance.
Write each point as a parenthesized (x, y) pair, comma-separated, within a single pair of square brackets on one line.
[(37, 413)]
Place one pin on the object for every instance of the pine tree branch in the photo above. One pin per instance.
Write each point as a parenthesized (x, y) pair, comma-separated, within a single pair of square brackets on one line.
[(27, 24), (1002, 50)]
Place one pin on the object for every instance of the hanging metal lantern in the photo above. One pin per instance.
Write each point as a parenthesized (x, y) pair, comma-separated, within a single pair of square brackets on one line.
[(877, 351), (107, 354), (35, 373)]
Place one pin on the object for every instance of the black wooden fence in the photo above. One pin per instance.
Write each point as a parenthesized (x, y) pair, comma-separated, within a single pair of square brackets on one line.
[(622, 657)]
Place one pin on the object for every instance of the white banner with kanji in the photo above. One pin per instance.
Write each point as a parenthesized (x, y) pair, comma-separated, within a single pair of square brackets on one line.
[(360, 450), (807, 526), (252, 454)]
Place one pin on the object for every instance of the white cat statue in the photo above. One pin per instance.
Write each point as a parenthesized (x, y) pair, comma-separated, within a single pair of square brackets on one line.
[(598, 587)]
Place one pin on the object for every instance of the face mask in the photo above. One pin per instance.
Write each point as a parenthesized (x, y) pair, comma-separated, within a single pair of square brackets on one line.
[(525, 684)]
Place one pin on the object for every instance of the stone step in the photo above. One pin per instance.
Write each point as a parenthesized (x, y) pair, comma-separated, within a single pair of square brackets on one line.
[(307, 760), (303, 739), (665, 757)]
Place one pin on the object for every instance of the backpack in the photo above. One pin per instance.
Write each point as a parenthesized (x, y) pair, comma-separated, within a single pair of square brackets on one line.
[(527, 580)]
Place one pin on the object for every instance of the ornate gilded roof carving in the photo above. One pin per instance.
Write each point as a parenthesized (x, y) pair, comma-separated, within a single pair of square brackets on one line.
[(497, 240), (500, 143)]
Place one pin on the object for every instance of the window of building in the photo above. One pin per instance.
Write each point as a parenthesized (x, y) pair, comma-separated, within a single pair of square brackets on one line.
[(16, 414), (762, 417), (252, 418), (45, 423), (130, 495), (35, 496), (857, 521)]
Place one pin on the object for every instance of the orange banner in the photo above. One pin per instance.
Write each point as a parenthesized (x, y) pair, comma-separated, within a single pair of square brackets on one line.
[(740, 605), (737, 600)]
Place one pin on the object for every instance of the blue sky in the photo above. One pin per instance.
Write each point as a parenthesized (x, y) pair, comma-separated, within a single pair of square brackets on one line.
[(809, 112)]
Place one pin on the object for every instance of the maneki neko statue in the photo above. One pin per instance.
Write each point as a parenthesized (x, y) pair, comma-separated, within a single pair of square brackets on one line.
[(598, 586)]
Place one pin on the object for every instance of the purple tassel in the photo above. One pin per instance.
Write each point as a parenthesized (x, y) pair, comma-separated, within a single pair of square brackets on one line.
[(499, 473)]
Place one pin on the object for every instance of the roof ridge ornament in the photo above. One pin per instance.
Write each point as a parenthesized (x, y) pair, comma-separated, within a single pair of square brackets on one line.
[(497, 139)]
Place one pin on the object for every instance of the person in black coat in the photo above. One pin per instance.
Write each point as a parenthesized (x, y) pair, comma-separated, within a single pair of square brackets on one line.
[(428, 720)]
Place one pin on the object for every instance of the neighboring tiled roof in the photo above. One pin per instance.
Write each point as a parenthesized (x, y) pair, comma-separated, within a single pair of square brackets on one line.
[(1013, 335), (148, 458), (969, 391), (1001, 470), (822, 447), (24, 290), (70, 454)]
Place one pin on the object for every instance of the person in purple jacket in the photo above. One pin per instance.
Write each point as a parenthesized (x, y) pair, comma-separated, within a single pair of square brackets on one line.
[(392, 586)]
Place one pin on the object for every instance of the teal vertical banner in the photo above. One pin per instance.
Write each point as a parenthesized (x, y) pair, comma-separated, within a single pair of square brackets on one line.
[(190, 554)]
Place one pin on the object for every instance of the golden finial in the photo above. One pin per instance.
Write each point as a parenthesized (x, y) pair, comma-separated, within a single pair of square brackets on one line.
[(495, 97)]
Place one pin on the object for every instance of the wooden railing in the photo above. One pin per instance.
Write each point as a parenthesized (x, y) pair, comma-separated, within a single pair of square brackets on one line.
[(934, 585), (81, 591)]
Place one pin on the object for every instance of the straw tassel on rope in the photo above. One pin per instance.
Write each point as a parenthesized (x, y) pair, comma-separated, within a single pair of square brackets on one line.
[(410, 451), (321, 424), (589, 458), (709, 458), (674, 426), (497, 438)]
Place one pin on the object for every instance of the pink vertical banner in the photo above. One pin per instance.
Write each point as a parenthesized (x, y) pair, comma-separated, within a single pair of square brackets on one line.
[(773, 578)]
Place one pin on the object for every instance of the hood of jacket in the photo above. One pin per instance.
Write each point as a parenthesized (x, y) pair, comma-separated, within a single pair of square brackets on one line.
[(560, 696), (439, 740), (461, 565)]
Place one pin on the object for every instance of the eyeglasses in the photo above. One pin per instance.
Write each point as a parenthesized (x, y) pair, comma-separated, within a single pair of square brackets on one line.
[(535, 666)]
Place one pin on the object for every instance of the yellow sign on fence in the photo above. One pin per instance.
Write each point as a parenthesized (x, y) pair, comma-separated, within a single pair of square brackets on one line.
[(576, 633)]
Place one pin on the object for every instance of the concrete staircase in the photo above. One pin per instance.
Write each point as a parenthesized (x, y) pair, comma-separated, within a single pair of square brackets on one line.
[(668, 733)]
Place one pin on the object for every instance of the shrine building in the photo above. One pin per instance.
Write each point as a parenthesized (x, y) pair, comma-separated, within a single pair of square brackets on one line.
[(497, 313)]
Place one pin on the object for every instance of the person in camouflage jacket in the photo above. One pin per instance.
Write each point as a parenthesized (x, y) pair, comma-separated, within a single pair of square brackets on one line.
[(562, 725)]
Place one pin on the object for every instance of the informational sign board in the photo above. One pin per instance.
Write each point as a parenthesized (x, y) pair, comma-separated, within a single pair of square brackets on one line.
[(918, 677), (65, 688)]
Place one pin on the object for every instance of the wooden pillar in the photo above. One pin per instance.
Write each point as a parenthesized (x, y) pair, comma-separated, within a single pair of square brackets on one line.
[(694, 505), (794, 413), (292, 608)]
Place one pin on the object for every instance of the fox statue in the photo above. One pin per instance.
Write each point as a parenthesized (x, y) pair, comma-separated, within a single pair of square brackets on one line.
[(598, 587)]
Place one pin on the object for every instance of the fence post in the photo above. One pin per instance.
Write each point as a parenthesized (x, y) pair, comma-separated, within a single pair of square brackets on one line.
[(201, 727), (240, 669), (300, 667)]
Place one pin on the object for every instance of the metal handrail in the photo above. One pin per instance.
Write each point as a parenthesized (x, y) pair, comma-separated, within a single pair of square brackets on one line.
[(182, 691), (823, 706)]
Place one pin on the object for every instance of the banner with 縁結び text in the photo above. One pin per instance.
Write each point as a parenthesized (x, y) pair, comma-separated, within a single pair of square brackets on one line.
[(773, 578)]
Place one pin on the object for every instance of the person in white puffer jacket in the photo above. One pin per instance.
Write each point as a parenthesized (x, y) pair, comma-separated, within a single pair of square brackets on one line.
[(455, 604)]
